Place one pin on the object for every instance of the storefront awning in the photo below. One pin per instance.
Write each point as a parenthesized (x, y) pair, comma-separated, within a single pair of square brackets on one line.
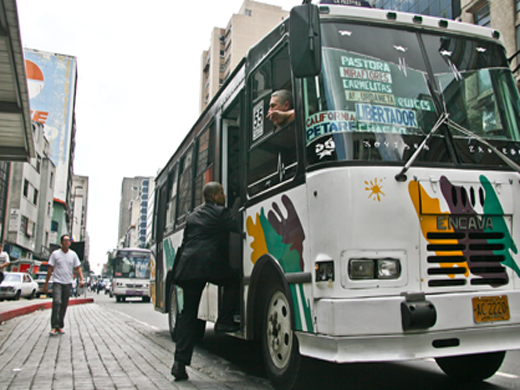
[(16, 135)]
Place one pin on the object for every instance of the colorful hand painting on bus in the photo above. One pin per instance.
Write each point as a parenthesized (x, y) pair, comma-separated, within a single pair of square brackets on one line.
[(462, 217), (282, 237)]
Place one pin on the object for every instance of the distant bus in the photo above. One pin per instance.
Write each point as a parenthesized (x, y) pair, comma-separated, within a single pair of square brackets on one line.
[(379, 224), (131, 274)]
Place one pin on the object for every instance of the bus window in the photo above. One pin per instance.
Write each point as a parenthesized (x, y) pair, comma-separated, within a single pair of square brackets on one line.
[(185, 185), (205, 156), (170, 208), (272, 154)]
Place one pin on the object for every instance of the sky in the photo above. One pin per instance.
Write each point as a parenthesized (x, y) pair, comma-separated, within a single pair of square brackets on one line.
[(137, 93)]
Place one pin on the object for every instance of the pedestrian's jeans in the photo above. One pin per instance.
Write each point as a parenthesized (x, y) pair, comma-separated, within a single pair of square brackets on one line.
[(60, 301)]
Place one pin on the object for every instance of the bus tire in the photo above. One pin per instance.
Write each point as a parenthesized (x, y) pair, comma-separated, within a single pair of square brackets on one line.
[(279, 343), (471, 368), (173, 312), (118, 298), (146, 299)]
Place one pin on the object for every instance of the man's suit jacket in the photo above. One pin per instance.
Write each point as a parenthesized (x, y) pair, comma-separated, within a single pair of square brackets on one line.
[(204, 246)]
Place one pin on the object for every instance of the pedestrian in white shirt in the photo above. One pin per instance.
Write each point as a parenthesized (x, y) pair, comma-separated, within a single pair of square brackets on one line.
[(62, 263), (4, 261)]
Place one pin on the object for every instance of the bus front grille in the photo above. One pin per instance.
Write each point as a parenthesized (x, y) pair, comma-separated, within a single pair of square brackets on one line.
[(456, 259)]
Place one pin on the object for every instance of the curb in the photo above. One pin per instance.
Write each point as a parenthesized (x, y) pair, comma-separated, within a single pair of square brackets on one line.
[(9, 314)]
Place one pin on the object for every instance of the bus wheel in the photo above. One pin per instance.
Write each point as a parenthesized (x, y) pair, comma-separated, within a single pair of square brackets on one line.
[(471, 368), (118, 298), (172, 312), (279, 344)]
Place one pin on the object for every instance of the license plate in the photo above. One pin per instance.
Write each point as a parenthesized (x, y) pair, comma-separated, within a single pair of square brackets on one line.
[(130, 292), (489, 309)]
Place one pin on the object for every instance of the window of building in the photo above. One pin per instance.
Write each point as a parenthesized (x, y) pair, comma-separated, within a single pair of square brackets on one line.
[(51, 181), (517, 6), (23, 224), (38, 163), (35, 197), (482, 16), (25, 188), (248, 12), (54, 226)]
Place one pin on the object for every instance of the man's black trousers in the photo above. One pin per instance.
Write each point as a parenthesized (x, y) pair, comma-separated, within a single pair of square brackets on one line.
[(187, 320)]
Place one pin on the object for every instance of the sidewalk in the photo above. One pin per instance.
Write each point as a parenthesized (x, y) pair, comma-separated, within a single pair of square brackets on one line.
[(101, 349)]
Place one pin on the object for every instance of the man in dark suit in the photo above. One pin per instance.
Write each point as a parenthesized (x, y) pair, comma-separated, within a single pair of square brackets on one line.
[(203, 260)]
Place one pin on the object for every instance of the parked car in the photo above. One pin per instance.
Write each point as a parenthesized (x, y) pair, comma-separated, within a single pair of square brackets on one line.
[(40, 279), (16, 285)]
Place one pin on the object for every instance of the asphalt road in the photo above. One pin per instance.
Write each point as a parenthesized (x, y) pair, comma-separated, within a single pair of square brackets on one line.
[(237, 357)]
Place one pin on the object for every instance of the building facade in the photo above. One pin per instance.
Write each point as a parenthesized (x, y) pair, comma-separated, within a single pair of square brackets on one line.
[(133, 211), (149, 217), (502, 15), (449, 9), (79, 209), (229, 45), (31, 190)]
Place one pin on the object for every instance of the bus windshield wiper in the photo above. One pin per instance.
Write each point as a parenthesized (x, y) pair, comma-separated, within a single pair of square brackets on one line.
[(401, 175)]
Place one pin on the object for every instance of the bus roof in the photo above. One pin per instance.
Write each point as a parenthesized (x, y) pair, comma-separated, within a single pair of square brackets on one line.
[(416, 21)]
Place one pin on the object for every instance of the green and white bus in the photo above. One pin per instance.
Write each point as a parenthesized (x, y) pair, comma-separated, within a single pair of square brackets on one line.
[(381, 224)]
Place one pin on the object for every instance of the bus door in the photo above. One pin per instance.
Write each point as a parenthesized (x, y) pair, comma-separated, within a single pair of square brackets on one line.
[(231, 179), (230, 137)]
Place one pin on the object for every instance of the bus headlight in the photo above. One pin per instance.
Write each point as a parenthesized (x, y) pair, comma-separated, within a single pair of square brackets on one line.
[(374, 269), (388, 269), (361, 269)]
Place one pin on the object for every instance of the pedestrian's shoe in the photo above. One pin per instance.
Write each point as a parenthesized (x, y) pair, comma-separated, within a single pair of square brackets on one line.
[(179, 371), (53, 332), (227, 328), (60, 331)]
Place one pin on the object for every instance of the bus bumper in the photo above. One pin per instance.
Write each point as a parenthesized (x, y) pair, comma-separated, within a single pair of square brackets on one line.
[(371, 329)]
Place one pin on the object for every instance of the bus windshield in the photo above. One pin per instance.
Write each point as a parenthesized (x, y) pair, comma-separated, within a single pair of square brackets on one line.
[(382, 90), (132, 265)]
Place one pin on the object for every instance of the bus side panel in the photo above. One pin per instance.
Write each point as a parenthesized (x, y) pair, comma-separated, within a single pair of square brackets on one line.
[(279, 227), (170, 246)]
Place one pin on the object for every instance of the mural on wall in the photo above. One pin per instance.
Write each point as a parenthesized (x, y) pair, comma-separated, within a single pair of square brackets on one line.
[(282, 237)]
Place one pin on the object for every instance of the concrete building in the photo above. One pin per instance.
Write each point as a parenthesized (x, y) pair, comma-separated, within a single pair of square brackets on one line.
[(31, 204), (79, 208), (51, 83), (449, 9), (149, 217), (502, 15), (229, 45), (133, 210)]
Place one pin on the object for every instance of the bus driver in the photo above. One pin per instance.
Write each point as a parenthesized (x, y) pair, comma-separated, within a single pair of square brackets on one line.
[(281, 109)]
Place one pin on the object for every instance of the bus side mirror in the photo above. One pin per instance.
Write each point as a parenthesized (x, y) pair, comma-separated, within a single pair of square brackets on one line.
[(305, 40)]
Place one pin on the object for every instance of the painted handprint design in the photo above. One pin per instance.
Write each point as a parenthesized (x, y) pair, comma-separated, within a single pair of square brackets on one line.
[(290, 228), (281, 235)]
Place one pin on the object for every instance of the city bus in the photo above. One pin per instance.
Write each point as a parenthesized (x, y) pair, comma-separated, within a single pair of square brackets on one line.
[(378, 225), (131, 275)]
